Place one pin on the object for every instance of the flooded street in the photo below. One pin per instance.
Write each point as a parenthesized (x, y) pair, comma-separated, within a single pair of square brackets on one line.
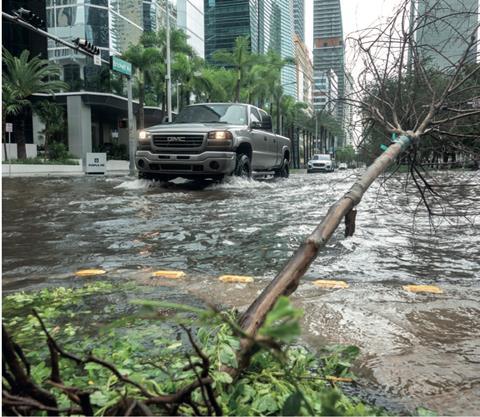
[(417, 349)]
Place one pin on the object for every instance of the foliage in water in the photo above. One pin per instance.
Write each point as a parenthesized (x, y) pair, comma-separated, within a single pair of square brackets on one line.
[(282, 378)]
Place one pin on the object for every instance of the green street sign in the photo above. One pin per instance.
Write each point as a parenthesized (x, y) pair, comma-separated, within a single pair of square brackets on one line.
[(121, 66)]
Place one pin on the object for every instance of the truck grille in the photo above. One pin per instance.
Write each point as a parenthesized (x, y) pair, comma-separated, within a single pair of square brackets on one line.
[(177, 141)]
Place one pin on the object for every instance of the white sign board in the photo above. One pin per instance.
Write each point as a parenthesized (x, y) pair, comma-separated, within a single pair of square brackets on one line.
[(96, 163), (97, 59), (9, 127)]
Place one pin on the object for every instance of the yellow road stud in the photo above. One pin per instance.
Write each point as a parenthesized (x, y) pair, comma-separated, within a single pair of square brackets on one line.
[(432, 289), (235, 278), (324, 283), (169, 274), (90, 272), (338, 379)]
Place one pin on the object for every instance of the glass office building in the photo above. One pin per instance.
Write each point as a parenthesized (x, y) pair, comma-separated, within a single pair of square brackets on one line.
[(226, 20), (299, 18), (190, 18), (446, 29), (267, 23)]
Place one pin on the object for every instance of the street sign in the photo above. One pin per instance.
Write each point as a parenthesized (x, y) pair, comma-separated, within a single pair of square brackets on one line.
[(97, 60), (121, 66), (9, 127), (96, 163)]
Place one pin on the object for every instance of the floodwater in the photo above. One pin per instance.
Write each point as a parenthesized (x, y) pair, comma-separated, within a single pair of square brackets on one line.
[(418, 350)]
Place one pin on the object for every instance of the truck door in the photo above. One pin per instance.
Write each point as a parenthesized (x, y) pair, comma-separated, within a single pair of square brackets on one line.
[(260, 142), (272, 140)]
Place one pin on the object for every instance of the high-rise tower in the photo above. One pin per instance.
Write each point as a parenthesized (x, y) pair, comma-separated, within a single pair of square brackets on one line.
[(328, 51), (299, 18), (446, 29)]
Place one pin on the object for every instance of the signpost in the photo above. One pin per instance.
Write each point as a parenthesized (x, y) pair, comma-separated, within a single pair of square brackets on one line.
[(125, 68), (95, 163), (97, 60)]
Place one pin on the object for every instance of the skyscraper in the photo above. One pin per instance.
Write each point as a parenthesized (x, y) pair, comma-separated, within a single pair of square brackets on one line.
[(267, 23), (190, 19), (226, 20), (287, 48), (446, 28), (299, 18), (328, 48)]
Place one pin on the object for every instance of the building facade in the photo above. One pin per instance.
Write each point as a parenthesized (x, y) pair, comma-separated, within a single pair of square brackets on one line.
[(325, 95), (304, 72), (190, 18), (328, 49), (267, 23), (299, 18), (16, 39), (446, 30)]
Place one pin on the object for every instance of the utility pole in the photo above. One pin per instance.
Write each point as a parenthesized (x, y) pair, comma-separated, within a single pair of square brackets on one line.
[(131, 132), (169, 75)]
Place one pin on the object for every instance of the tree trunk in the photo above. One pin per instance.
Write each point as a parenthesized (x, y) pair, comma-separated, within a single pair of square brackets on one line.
[(286, 282)]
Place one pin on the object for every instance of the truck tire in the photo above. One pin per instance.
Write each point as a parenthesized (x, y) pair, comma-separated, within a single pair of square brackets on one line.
[(243, 168), (284, 171)]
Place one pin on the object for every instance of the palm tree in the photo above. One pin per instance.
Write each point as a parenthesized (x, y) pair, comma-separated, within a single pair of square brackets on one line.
[(53, 116), (22, 77), (240, 59), (143, 60)]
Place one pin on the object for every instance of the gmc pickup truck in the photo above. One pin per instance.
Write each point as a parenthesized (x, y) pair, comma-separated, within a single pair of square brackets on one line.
[(213, 140)]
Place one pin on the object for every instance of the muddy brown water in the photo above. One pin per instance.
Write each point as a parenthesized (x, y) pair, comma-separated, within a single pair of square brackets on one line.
[(417, 349)]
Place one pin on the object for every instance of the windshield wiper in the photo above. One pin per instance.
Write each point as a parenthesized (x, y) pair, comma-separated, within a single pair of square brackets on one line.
[(216, 121)]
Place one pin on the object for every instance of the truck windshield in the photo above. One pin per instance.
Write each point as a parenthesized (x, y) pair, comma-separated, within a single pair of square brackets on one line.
[(321, 157), (214, 113)]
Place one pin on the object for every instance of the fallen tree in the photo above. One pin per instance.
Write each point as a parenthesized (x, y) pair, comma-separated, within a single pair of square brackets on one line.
[(391, 55)]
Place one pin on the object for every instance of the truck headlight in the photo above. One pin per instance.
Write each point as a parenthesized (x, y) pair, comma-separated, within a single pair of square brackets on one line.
[(144, 136), (220, 135)]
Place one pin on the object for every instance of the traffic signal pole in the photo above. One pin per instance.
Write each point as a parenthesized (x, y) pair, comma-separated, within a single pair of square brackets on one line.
[(77, 47), (26, 25), (131, 132)]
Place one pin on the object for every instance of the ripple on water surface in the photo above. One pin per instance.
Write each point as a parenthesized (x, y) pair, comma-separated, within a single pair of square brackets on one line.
[(416, 347)]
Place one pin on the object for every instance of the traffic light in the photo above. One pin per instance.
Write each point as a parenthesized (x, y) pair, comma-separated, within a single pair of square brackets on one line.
[(30, 17), (87, 46)]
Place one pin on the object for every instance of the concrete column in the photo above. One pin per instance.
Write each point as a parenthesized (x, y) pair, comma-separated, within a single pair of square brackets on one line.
[(79, 127), (37, 128)]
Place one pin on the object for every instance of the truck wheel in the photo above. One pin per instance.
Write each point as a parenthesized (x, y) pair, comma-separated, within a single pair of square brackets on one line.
[(284, 171), (243, 167)]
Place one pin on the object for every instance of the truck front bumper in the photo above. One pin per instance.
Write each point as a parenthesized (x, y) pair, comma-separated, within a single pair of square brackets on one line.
[(205, 164)]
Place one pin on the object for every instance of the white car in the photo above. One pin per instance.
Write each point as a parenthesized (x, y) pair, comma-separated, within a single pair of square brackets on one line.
[(342, 165), (320, 163)]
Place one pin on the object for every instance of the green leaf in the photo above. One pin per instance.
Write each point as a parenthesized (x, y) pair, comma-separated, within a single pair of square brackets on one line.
[(165, 304), (292, 405)]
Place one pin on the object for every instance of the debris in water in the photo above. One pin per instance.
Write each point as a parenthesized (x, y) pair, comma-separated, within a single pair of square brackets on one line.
[(325, 283), (235, 278), (423, 288), (90, 272)]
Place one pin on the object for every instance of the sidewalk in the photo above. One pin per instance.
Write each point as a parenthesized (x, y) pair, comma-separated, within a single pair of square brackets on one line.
[(31, 170)]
